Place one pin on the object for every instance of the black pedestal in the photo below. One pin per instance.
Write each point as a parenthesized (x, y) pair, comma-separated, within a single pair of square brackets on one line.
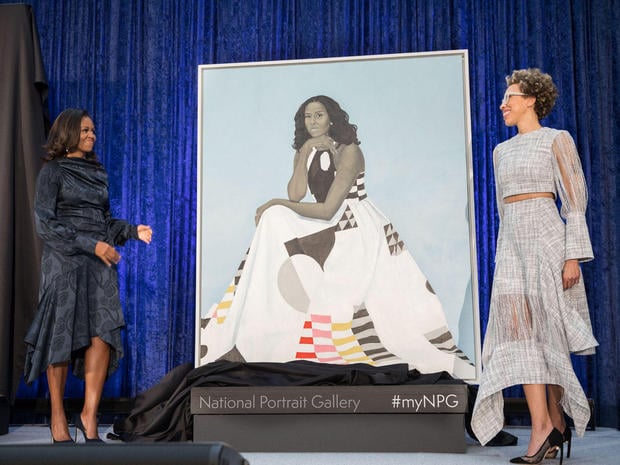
[(426, 418)]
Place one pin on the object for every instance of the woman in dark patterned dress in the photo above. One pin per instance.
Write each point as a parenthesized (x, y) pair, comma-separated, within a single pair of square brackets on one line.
[(79, 316)]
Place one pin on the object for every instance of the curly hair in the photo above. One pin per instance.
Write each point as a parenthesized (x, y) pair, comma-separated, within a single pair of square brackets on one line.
[(64, 136), (341, 130), (532, 81)]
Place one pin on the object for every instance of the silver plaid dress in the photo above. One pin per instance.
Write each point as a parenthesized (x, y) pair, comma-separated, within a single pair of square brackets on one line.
[(534, 324)]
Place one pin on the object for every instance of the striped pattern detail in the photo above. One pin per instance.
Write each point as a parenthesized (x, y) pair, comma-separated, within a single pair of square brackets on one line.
[(443, 340), (358, 189), (220, 310), (364, 330), (354, 341)]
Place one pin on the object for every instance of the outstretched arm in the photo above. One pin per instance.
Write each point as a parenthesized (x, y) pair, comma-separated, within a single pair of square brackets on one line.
[(110, 256), (351, 164)]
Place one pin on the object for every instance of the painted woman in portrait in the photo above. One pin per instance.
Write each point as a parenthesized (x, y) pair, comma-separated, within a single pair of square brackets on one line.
[(330, 280)]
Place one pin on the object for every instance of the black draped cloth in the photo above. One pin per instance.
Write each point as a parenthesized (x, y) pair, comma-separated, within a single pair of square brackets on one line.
[(23, 125), (163, 412)]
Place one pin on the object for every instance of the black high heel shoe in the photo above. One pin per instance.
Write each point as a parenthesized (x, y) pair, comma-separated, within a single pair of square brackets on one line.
[(64, 441), (568, 438), (80, 426), (555, 439)]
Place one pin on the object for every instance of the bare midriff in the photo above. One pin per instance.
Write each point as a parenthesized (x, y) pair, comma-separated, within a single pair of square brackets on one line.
[(527, 196)]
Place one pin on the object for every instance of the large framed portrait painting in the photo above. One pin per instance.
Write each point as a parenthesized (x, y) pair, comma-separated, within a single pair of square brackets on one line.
[(335, 213)]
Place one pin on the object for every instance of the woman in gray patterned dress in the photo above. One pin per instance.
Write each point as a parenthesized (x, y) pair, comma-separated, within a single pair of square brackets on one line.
[(79, 316), (539, 313)]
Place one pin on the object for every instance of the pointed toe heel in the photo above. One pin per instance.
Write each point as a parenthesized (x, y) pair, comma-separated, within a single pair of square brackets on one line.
[(64, 441), (80, 426), (555, 440), (568, 439)]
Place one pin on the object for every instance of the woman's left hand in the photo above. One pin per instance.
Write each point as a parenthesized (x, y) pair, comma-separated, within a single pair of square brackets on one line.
[(260, 210), (570, 273), (145, 233)]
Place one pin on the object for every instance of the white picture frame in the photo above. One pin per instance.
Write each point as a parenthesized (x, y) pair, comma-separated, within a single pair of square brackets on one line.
[(413, 116)]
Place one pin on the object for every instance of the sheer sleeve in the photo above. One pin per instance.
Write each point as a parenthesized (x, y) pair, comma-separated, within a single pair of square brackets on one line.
[(499, 196), (571, 187), (56, 233)]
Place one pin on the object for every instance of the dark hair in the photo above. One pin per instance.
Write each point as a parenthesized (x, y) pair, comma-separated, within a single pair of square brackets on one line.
[(341, 130), (64, 136), (532, 81)]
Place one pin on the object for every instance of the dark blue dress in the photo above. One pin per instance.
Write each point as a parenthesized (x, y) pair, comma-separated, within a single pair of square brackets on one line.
[(78, 294)]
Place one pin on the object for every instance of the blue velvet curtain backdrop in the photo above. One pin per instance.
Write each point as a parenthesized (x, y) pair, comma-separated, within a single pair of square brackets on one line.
[(133, 64)]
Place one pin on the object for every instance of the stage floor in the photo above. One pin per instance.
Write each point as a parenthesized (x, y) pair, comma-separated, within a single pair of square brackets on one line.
[(599, 447)]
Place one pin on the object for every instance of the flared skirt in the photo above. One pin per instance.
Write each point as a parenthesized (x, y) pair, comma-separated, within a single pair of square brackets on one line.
[(534, 324), (339, 291), (78, 300)]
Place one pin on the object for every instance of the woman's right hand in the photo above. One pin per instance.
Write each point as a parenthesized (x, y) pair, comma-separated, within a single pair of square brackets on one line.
[(107, 253), (323, 142)]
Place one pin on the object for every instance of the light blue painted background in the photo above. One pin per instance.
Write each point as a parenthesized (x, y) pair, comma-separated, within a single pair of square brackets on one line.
[(410, 113)]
